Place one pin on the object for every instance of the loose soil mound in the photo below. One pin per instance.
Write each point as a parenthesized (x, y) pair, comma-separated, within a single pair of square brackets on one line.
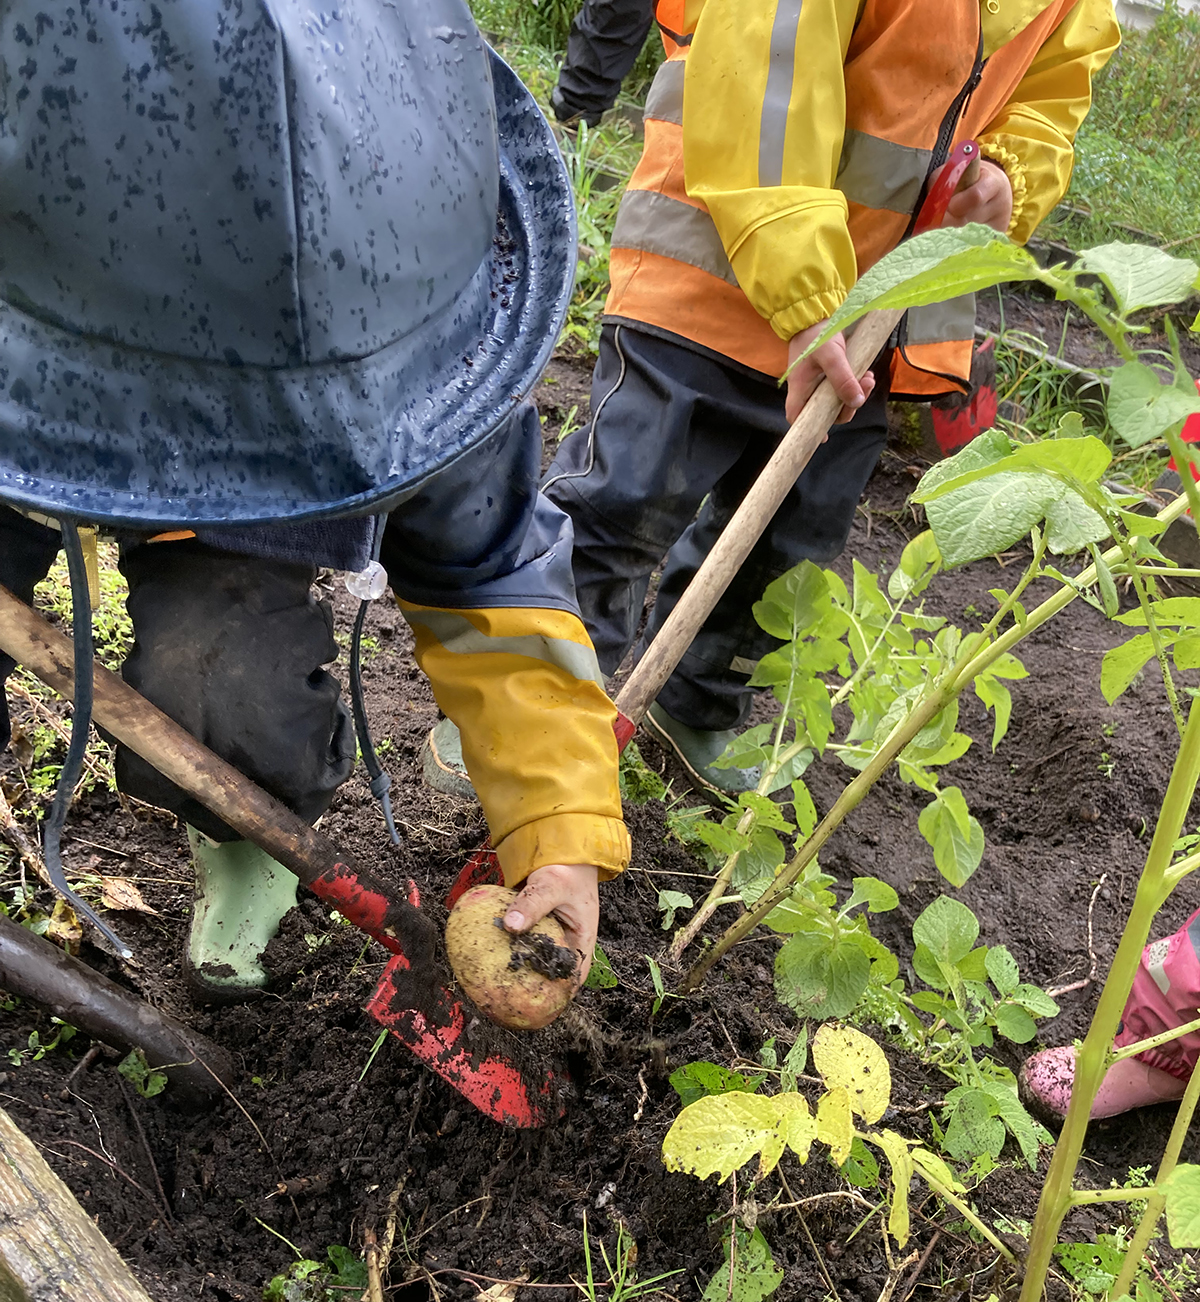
[(332, 1134)]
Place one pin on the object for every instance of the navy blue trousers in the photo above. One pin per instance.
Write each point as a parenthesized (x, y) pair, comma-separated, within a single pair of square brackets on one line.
[(605, 40), (676, 439)]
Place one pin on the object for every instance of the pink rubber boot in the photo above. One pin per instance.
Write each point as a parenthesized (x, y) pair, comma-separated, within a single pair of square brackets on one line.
[(1165, 994)]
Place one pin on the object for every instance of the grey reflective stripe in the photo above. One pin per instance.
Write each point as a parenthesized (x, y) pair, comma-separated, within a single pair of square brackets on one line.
[(665, 100), (656, 223), (781, 75), (456, 633), (939, 323), (740, 665), (879, 174)]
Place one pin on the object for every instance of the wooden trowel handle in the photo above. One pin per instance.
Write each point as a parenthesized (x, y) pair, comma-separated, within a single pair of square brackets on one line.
[(358, 894), (758, 507)]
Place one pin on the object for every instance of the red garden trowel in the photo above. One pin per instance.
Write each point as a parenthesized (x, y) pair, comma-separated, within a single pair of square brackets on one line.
[(807, 433), (958, 418), (410, 1001)]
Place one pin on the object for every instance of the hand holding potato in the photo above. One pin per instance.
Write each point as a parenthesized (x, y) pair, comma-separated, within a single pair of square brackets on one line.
[(520, 958), (570, 892)]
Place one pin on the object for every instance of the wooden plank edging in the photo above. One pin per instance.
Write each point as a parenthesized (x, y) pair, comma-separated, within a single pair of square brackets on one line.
[(50, 1249)]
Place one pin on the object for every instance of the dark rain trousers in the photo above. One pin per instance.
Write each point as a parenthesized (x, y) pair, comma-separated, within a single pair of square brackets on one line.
[(233, 647), (677, 437), (605, 40)]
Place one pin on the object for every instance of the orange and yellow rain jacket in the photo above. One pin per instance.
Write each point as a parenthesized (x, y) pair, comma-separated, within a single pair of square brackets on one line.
[(787, 147)]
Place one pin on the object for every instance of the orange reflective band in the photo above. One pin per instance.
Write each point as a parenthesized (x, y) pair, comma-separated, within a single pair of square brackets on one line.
[(175, 535)]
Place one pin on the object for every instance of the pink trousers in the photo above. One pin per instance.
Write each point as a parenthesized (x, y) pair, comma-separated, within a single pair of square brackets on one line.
[(1165, 994)]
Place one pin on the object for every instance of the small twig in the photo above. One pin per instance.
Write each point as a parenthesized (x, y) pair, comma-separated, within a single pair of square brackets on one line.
[(129, 854), (14, 834), (149, 1197), (920, 1266), (94, 1051), (813, 1199), (429, 1229), (1091, 976), (1045, 759), (393, 1212), (645, 1094), (137, 1122), (896, 1270), (374, 1291), (262, 1139), (492, 1279), (833, 1292)]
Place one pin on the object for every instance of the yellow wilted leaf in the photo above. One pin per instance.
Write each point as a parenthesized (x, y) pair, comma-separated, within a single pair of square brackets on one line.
[(834, 1125), (64, 927), (849, 1058), (930, 1164), (121, 893), (795, 1130), (900, 1158), (721, 1132)]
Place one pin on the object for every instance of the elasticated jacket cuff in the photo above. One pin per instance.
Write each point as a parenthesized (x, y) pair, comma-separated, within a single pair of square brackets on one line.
[(1014, 169), (566, 839)]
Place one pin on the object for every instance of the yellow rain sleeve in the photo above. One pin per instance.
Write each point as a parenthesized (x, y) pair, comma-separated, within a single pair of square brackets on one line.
[(525, 690), (1033, 137), (763, 120)]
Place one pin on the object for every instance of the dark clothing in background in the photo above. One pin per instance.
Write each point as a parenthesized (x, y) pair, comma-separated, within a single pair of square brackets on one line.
[(233, 646), (605, 40)]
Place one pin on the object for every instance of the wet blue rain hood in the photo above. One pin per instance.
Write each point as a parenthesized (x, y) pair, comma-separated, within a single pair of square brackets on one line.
[(260, 261)]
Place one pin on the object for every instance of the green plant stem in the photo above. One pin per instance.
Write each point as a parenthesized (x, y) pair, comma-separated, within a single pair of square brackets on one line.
[(1154, 1041), (927, 709), (1083, 1197), (1183, 463), (1140, 1243), (1143, 596), (1092, 1059), (961, 1206)]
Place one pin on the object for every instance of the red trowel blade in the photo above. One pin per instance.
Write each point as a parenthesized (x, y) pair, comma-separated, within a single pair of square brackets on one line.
[(493, 1085)]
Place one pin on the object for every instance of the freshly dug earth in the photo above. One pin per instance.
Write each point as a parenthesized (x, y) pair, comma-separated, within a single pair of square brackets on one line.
[(1069, 334), (328, 1138)]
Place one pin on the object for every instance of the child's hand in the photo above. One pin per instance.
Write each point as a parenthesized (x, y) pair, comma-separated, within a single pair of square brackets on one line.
[(569, 891), (989, 201), (828, 362)]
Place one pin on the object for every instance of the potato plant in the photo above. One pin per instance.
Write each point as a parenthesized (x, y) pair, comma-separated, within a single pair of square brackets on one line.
[(985, 500), (726, 1128)]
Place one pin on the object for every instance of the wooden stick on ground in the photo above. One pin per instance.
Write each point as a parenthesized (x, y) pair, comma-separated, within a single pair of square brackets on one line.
[(50, 1251)]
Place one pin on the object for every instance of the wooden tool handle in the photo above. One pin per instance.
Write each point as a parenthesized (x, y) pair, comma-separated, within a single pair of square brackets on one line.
[(759, 505), (357, 893)]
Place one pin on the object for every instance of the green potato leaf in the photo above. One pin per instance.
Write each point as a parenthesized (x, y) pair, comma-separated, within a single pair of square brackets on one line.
[(1142, 406), (1182, 1192), (956, 837), (947, 928), (933, 267), (1139, 275)]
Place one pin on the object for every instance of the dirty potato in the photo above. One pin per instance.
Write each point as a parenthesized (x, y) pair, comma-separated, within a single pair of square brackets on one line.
[(522, 982)]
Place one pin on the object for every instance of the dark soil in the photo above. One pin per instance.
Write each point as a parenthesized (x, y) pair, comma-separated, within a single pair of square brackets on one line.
[(1070, 335), (333, 1134)]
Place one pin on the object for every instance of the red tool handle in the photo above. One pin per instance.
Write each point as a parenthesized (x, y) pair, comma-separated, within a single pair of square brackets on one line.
[(961, 170)]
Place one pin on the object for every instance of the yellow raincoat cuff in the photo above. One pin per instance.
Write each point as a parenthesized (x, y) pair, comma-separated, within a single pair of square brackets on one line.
[(1014, 169), (566, 839)]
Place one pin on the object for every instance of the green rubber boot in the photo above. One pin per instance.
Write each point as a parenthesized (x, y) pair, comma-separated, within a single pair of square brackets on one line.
[(442, 761), (241, 894), (696, 751)]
